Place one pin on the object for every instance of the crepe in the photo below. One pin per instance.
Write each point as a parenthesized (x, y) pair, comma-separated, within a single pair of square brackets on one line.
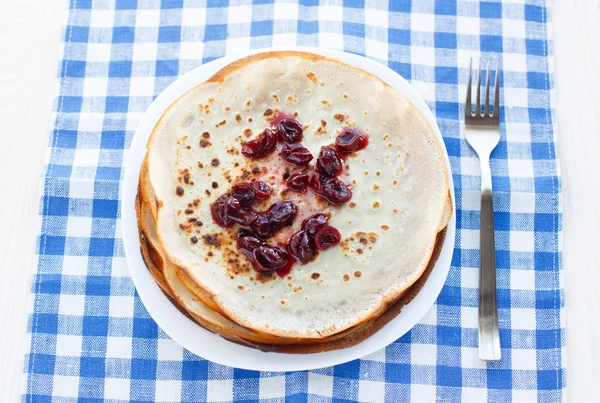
[(399, 182)]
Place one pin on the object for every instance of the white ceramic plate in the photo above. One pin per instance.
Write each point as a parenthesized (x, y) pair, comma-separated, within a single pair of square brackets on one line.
[(213, 347)]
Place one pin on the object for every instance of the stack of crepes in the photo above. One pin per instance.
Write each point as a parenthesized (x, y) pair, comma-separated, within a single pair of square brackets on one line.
[(392, 228)]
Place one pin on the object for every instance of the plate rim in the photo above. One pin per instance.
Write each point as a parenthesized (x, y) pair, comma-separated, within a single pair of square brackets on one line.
[(213, 347)]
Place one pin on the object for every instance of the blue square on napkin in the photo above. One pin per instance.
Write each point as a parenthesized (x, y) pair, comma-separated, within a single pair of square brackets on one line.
[(176, 4), (491, 43), (74, 68), (449, 336), (445, 40), (143, 369), (216, 32), (194, 370), (354, 29), (70, 103), (547, 299), (112, 140), (308, 27), (446, 75), (44, 323), (499, 378), (57, 206), (538, 81), (399, 36), (535, 13), (102, 208), (42, 364), (120, 68), (98, 285), (400, 5), (549, 380), (123, 35), (66, 138), (91, 367), (144, 328), (490, 9), (397, 373), (126, 4), (445, 7), (261, 28), (449, 376), (167, 68), (536, 47), (52, 245), (168, 34)]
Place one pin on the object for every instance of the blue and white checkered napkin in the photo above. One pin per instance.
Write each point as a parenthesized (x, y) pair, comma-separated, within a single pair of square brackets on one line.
[(91, 338)]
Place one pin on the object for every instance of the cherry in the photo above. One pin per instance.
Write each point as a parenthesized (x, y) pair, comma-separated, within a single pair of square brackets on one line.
[(217, 209), (327, 237), (262, 146), (350, 140), (282, 213), (244, 192), (236, 212), (280, 116), (262, 191), (316, 183), (296, 154), (262, 226), (329, 162), (336, 191), (289, 130), (297, 182), (270, 258), (314, 223), (246, 245), (301, 247)]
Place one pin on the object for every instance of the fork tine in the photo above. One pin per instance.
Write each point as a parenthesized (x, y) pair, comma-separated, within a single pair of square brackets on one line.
[(497, 90), (486, 110), (478, 104), (468, 106)]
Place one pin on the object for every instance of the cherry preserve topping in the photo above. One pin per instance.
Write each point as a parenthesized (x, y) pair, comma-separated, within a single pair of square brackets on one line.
[(262, 191), (282, 214), (298, 182), (259, 226), (280, 116), (329, 162), (327, 237), (334, 190), (350, 140), (217, 210), (247, 192), (262, 146), (244, 192), (262, 227), (246, 245), (236, 212), (270, 258), (289, 130), (301, 247), (314, 223), (296, 154)]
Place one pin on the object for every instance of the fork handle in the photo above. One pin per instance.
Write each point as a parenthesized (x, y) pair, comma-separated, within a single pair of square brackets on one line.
[(489, 335)]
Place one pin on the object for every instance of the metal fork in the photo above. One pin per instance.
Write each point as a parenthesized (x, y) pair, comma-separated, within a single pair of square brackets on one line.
[(482, 131)]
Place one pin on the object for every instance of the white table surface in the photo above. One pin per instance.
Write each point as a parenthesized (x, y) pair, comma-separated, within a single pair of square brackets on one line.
[(29, 40)]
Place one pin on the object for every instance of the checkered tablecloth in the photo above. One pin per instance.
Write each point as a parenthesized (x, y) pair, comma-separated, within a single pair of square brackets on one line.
[(91, 340)]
